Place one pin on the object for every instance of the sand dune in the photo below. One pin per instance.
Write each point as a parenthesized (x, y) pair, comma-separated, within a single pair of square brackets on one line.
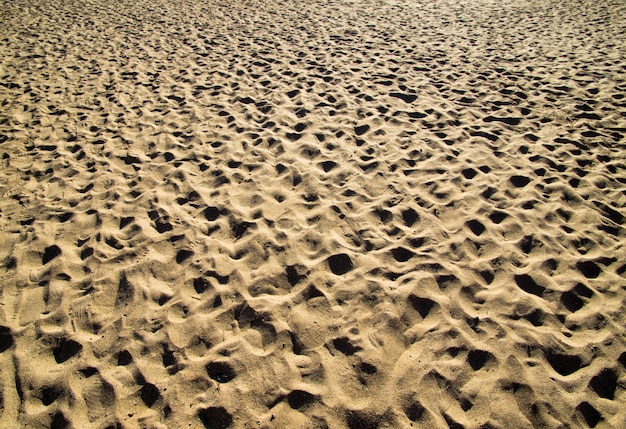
[(309, 214)]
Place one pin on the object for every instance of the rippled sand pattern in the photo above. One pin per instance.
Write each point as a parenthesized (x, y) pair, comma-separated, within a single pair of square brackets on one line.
[(312, 214)]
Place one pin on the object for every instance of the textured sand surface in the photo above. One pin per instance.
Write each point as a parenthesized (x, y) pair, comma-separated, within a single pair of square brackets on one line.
[(308, 214)]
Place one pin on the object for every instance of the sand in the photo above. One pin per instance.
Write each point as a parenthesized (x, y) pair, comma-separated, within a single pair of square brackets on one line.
[(311, 214)]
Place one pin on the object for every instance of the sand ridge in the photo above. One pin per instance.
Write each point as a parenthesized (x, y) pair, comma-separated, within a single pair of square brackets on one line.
[(359, 214)]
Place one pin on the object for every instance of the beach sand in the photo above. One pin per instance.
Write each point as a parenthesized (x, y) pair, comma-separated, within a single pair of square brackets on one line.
[(312, 214)]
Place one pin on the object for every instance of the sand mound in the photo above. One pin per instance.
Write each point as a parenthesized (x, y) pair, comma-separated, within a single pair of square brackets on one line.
[(312, 214)]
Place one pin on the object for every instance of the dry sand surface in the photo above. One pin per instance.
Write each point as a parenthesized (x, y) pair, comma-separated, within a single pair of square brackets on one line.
[(312, 214)]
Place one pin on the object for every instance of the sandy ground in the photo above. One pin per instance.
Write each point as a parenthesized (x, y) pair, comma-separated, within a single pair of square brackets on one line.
[(310, 214)]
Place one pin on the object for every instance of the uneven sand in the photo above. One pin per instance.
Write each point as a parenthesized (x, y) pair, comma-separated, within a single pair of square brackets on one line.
[(307, 214)]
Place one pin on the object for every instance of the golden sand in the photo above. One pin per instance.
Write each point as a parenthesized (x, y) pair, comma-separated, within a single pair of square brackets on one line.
[(312, 214)]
